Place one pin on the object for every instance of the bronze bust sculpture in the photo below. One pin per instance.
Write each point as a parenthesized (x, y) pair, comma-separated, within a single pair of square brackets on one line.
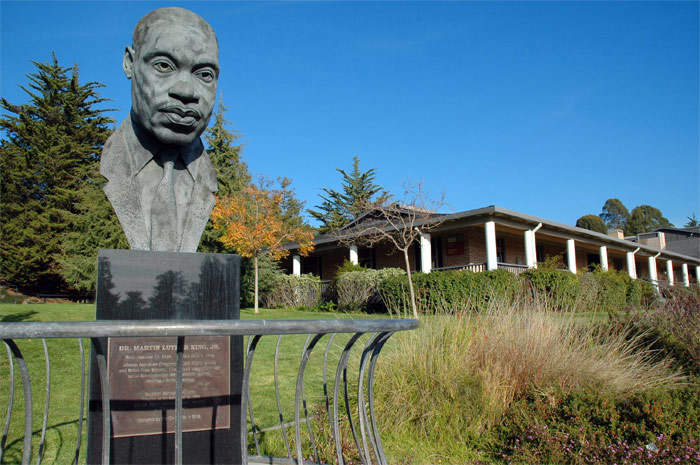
[(160, 179)]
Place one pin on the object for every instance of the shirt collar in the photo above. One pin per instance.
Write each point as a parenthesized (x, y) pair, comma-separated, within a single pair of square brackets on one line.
[(143, 148)]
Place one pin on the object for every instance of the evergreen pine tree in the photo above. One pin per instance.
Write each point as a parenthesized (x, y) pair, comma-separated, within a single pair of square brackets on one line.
[(231, 171), (340, 208), (49, 153)]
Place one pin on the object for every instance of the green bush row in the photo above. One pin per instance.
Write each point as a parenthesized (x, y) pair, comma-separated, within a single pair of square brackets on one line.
[(458, 291), (449, 291), (293, 291), (359, 290), (651, 427)]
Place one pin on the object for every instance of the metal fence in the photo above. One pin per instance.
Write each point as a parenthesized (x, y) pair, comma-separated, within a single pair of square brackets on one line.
[(364, 429)]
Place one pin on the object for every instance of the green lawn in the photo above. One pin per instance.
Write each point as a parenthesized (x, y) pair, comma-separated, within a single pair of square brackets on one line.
[(65, 376)]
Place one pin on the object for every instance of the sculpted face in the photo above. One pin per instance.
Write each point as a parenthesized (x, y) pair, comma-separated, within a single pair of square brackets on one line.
[(174, 73)]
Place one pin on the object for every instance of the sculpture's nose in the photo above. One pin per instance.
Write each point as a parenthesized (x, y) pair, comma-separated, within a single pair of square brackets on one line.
[(183, 89)]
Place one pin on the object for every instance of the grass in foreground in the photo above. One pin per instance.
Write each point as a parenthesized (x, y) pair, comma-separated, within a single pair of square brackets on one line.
[(65, 375), (451, 388)]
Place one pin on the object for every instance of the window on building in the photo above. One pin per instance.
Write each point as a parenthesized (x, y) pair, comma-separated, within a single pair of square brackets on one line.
[(539, 253), (500, 250), (311, 265), (417, 258), (436, 251), (593, 260), (617, 264), (367, 258)]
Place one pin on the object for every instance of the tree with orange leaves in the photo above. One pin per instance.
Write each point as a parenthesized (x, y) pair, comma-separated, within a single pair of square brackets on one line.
[(259, 220)]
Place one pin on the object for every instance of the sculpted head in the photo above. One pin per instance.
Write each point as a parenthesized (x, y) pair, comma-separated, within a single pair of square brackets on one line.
[(173, 65)]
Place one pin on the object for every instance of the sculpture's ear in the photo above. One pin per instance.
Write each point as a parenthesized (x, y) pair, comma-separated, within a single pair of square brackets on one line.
[(128, 64)]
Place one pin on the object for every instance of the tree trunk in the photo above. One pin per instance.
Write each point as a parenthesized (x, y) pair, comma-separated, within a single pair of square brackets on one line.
[(410, 284), (255, 265)]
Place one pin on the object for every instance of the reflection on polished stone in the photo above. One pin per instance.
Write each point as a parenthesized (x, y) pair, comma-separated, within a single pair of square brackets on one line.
[(145, 285)]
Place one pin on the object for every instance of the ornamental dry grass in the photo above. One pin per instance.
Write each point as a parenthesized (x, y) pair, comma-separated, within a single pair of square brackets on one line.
[(453, 378)]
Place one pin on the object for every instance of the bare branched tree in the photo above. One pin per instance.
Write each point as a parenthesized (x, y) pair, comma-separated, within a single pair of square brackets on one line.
[(400, 223)]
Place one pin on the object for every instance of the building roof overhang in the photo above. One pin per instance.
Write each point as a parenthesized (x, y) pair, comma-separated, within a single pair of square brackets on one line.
[(526, 222)]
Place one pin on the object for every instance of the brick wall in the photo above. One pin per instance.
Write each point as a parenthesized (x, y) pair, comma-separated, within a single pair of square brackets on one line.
[(331, 260), (475, 245), (387, 256), (514, 248)]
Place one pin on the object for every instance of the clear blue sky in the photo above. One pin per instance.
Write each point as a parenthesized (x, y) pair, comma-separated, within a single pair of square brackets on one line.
[(547, 108)]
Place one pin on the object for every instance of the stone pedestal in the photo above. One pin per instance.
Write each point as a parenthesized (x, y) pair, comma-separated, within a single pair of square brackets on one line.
[(144, 285)]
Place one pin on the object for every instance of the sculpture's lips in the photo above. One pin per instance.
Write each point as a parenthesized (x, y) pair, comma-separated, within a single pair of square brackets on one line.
[(181, 116)]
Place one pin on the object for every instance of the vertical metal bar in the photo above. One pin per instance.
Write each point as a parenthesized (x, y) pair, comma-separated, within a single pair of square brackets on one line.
[(325, 384), (106, 407), (374, 431), (279, 404), (46, 403), (245, 398), (180, 356), (26, 385), (10, 400), (361, 408), (300, 396), (250, 401), (342, 366), (82, 402)]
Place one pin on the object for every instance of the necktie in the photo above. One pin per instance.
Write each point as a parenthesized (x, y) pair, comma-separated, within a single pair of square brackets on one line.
[(164, 209)]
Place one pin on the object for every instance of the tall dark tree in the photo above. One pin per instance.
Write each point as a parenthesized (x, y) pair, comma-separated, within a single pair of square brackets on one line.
[(615, 215), (49, 152), (593, 223), (692, 221), (232, 174), (93, 226), (646, 218), (341, 207)]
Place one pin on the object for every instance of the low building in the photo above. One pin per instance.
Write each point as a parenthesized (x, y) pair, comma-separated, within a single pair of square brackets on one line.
[(685, 241), (497, 238)]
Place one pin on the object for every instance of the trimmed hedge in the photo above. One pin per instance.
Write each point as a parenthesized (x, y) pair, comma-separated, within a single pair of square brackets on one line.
[(359, 290), (449, 291), (556, 289), (465, 291), (293, 291)]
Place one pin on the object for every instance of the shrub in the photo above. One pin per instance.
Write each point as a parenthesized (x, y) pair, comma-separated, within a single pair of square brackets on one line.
[(359, 290), (455, 378), (554, 289), (650, 427), (610, 291), (268, 274), (450, 292), (294, 291), (673, 325), (614, 287)]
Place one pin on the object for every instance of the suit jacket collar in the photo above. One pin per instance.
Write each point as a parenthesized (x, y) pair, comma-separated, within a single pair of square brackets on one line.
[(143, 148)]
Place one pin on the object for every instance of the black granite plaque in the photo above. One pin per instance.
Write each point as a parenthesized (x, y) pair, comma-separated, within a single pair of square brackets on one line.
[(145, 285)]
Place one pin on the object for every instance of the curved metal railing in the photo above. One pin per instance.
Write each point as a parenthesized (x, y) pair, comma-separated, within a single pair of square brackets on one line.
[(365, 434)]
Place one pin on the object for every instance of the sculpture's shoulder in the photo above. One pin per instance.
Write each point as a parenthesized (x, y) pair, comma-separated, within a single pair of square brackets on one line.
[(114, 163), (207, 172)]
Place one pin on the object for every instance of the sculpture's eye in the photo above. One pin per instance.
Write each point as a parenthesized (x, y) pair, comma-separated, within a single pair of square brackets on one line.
[(206, 74), (163, 66)]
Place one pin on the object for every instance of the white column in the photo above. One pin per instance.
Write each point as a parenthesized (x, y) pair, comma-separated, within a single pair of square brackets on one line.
[(604, 258), (697, 275), (426, 254), (686, 276), (354, 256), (669, 272), (491, 257), (530, 250), (571, 255), (631, 266), (652, 272), (296, 265)]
